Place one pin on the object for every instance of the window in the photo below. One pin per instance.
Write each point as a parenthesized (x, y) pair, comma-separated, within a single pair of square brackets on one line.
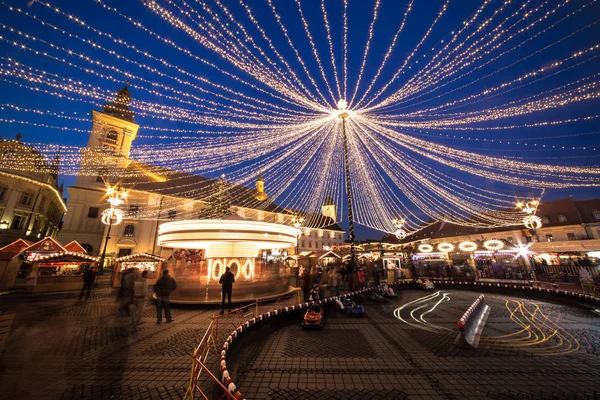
[(134, 210), (596, 212), (549, 238), (571, 236), (18, 222), (93, 212), (26, 199), (112, 137), (88, 248), (129, 230), (562, 218), (509, 239), (545, 220), (172, 214), (3, 191), (124, 252), (310, 243), (302, 244)]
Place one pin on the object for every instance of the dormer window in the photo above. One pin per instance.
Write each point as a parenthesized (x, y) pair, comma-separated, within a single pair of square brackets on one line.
[(545, 220), (562, 218), (596, 215)]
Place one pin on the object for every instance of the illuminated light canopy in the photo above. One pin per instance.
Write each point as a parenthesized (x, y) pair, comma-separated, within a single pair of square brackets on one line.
[(256, 88), (467, 246), (226, 238), (112, 216), (493, 244), (425, 248), (445, 247)]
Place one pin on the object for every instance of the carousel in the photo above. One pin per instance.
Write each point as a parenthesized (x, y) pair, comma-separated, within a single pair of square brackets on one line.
[(198, 251)]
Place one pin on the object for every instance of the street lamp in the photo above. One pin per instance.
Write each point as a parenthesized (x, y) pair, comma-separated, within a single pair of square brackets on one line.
[(297, 222), (4, 225), (531, 222), (400, 231), (112, 215)]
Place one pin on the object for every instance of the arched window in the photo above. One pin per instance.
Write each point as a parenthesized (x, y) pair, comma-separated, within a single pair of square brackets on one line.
[(129, 230), (112, 137), (596, 214), (562, 218), (172, 214), (545, 220)]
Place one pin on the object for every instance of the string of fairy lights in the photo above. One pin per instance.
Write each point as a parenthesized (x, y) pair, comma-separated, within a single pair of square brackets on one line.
[(228, 89)]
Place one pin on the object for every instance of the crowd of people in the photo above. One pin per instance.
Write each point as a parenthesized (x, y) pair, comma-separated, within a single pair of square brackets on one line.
[(337, 277)]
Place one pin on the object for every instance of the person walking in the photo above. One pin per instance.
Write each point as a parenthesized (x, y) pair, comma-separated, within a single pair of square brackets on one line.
[(226, 281), (89, 277), (163, 289), (31, 279), (125, 296), (140, 292)]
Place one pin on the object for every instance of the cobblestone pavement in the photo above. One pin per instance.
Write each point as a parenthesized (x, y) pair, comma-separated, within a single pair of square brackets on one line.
[(63, 348), (529, 350)]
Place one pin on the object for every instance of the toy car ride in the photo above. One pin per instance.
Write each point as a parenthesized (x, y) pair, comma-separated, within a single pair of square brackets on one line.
[(314, 317), (389, 292), (350, 308)]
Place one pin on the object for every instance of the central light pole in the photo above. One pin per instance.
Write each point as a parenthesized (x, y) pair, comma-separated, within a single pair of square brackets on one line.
[(343, 114)]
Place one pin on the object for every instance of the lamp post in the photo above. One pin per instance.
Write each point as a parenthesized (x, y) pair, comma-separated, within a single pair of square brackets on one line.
[(343, 113), (297, 222), (112, 215), (531, 222)]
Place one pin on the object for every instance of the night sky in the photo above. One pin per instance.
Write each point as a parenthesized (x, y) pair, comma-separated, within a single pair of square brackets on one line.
[(534, 144)]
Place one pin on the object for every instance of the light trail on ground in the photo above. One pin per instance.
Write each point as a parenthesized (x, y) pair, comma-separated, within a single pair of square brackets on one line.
[(423, 303)]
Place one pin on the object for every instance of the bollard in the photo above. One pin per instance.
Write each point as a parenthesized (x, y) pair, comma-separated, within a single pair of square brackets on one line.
[(471, 324)]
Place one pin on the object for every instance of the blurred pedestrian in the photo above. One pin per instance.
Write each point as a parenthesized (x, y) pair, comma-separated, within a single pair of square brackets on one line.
[(125, 296), (31, 278), (305, 283), (140, 292), (226, 281), (89, 277), (163, 289)]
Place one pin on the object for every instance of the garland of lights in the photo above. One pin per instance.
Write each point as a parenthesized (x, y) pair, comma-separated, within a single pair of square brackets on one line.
[(276, 108)]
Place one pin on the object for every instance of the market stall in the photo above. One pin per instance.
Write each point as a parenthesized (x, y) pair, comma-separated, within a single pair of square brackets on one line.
[(58, 271), (140, 262)]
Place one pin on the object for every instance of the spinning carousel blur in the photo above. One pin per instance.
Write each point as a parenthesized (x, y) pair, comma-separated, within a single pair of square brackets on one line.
[(198, 251)]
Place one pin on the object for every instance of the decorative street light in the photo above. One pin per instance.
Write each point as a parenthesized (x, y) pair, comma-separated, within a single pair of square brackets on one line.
[(297, 222), (344, 113), (400, 231), (113, 215), (533, 223)]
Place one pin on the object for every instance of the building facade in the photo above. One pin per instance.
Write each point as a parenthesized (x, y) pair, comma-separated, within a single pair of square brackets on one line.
[(154, 197), (31, 203)]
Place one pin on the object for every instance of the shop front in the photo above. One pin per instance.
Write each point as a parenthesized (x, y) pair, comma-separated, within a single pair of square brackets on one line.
[(56, 272)]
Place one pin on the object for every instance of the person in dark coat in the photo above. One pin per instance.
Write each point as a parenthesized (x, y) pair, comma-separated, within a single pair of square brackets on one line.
[(125, 296), (89, 277), (163, 288), (226, 281)]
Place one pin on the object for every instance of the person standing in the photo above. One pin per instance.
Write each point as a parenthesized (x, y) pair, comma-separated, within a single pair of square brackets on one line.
[(31, 278), (226, 281), (140, 292), (163, 289), (89, 277), (305, 283)]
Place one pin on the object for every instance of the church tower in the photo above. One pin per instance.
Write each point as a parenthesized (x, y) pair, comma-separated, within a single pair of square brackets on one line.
[(329, 209), (113, 132)]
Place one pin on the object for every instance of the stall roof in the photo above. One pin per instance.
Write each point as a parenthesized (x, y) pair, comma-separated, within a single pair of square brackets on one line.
[(138, 256), (329, 253), (74, 246), (10, 250), (63, 256), (47, 244)]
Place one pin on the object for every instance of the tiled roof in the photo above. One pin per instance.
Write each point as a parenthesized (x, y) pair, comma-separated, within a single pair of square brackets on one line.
[(586, 209)]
